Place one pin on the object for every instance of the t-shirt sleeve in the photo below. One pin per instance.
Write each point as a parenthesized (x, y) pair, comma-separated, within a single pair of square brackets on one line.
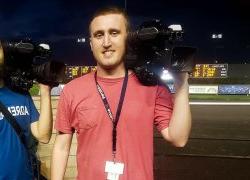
[(34, 114), (63, 116), (163, 108)]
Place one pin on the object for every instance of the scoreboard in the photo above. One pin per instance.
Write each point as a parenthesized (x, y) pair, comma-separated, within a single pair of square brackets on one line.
[(210, 71), (77, 71), (200, 71)]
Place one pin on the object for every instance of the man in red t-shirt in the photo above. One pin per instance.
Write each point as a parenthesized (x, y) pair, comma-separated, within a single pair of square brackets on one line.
[(113, 114)]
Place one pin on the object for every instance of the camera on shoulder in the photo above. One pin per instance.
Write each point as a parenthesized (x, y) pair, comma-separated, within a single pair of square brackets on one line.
[(153, 47), (26, 62)]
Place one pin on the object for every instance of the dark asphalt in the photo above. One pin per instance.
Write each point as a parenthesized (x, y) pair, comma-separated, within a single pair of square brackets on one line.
[(218, 148)]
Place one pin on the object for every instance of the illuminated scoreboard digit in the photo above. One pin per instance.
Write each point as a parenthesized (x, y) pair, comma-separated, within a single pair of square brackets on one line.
[(68, 72), (93, 68), (210, 71), (75, 71), (72, 72), (84, 70)]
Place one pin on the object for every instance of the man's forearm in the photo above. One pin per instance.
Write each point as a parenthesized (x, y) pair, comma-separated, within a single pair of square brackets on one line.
[(180, 124), (45, 119), (60, 155), (58, 164)]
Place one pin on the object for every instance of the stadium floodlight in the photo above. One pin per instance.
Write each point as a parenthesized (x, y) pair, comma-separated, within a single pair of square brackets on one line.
[(219, 36), (214, 36), (81, 40), (175, 27), (166, 76)]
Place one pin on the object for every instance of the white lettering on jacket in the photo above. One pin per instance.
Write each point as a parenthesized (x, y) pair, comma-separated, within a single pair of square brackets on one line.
[(18, 110), (1, 116)]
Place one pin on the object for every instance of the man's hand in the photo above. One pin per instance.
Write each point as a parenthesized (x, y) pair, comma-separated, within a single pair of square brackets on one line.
[(181, 80), (44, 89), (42, 129)]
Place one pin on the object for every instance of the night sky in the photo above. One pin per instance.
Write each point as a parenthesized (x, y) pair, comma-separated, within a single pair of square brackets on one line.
[(61, 22)]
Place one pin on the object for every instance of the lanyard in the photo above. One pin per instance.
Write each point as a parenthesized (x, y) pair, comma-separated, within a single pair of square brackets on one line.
[(118, 111)]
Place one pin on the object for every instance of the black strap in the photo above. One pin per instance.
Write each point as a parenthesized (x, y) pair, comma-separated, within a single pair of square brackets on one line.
[(118, 111), (11, 119)]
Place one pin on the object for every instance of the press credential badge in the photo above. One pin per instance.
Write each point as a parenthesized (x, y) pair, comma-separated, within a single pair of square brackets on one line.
[(114, 170)]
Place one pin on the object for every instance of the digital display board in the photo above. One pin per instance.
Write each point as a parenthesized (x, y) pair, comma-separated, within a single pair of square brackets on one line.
[(77, 71), (210, 71)]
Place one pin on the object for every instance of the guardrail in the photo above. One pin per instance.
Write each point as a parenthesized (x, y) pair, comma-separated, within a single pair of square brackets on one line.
[(233, 89)]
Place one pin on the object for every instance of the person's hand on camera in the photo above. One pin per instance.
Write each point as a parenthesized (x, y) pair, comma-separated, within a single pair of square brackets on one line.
[(44, 89), (181, 80)]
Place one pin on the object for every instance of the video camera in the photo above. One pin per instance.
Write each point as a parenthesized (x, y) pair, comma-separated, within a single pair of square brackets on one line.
[(26, 62), (151, 49)]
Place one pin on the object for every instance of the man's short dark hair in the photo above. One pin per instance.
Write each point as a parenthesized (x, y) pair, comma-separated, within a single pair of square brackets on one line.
[(111, 10)]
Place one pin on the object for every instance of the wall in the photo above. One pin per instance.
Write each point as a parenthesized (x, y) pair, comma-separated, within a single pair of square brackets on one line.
[(45, 150)]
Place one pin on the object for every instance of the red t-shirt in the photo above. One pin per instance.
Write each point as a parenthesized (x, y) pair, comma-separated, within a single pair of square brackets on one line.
[(81, 110)]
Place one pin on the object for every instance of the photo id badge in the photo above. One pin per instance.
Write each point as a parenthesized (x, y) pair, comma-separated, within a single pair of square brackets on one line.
[(113, 170)]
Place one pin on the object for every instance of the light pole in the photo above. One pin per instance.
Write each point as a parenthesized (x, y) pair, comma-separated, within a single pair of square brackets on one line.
[(125, 5), (216, 37)]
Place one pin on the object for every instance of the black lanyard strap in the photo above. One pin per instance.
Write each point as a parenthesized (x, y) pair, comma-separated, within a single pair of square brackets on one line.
[(108, 109)]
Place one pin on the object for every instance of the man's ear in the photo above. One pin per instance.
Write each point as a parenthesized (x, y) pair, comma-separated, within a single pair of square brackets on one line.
[(1, 54), (90, 43)]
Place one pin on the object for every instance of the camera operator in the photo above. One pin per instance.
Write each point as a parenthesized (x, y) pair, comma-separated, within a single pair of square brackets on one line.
[(14, 158), (113, 114)]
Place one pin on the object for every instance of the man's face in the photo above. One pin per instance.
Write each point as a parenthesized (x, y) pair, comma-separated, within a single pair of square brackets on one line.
[(108, 40)]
